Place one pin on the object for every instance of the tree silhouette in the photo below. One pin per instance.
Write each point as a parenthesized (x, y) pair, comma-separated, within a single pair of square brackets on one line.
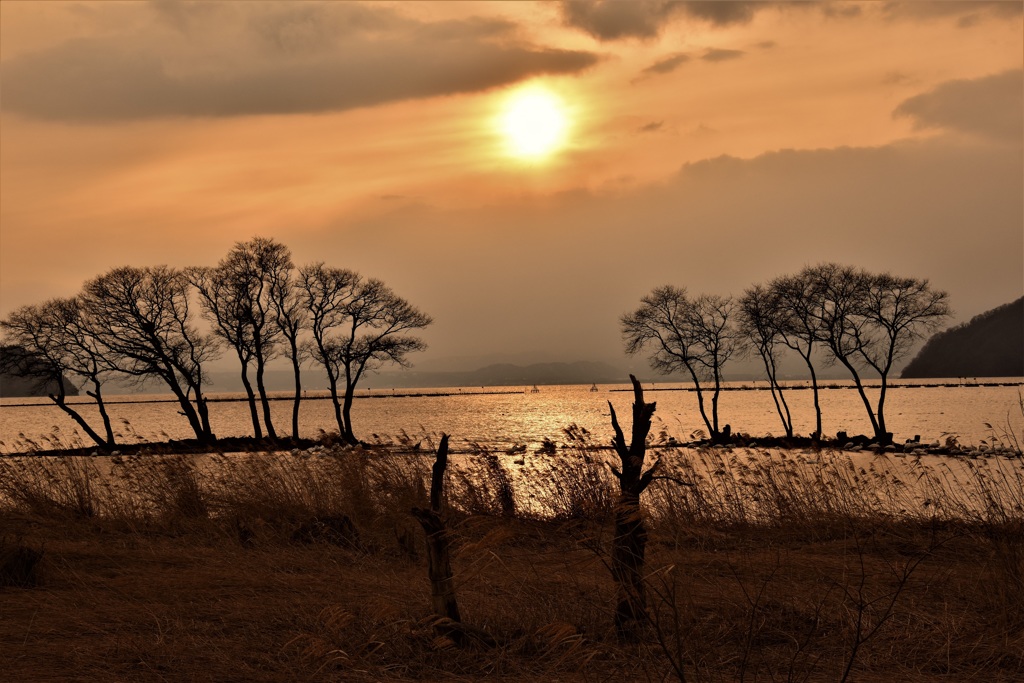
[(143, 320), (52, 342), (697, 335), (358, 325)]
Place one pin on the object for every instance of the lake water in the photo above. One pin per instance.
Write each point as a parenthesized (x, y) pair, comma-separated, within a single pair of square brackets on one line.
[(522, 416)]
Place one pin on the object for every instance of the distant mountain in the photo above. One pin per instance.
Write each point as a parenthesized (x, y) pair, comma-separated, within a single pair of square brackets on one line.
[(990, 345), (14, 360), (507, 374)]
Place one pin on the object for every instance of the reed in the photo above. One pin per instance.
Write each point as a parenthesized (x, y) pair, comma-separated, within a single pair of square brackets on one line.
[(307, 565)]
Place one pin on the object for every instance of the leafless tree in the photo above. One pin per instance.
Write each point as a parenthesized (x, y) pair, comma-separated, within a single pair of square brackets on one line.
[(54, 342), (759, 323), (237, 298), (798, 321), (290, 317), (223, 301), (697, 335), (142, 318), (870, 321), (358, 325)]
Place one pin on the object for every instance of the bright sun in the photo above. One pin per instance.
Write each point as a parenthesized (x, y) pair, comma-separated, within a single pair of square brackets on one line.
[(534, 123)]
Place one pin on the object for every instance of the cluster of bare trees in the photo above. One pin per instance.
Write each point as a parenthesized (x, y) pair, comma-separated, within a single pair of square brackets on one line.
[(827, 313), (167, 324)]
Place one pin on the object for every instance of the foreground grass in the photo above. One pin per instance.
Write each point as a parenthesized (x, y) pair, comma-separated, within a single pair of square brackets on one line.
[(277, 568)]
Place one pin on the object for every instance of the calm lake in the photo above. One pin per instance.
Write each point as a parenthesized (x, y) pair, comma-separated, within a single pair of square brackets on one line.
[(519, 415)]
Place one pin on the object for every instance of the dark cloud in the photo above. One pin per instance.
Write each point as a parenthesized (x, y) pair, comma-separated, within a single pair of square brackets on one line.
[(613, 20), (840, 10), (934, 208), (282, 60), (724, 13), (667, 65), (968, 10), (717, 55), (895, 78), (991, 107), (652, 127), (619, 19)]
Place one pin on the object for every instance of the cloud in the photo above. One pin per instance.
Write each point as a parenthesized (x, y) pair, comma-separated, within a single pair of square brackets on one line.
[(724, 13), (652, 127), (667, 65), (932, 209), (618, 19), (717, 55), (968, 10), (992, 107), (203, 60)]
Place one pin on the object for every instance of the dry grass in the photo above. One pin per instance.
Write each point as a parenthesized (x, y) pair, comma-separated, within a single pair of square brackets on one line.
[(308, 566)]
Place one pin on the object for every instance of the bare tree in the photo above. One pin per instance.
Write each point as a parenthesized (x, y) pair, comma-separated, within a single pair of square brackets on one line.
[(798, 321), (759, 323), (223, 301), (54, 342), (291, 319), (871, 321), (357, 325), (237, 298), (697, 335), (143, 319)]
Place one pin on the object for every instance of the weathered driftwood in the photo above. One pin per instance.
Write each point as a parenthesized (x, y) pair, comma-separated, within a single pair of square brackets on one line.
[(629, 544)]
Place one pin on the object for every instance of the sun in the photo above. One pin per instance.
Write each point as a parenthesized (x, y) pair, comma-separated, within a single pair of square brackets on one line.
[(534, 122)]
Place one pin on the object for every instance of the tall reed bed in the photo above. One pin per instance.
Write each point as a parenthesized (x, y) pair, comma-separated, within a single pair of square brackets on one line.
[(712, 487), (763, 564)]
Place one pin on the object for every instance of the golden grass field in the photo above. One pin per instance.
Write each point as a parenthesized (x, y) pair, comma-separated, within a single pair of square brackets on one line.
[(797, 566)]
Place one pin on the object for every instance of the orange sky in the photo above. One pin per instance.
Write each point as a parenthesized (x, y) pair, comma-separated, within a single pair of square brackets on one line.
[(712, 146)]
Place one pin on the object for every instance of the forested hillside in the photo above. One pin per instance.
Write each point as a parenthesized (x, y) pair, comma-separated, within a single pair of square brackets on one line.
[(18, 376), (990, 345)]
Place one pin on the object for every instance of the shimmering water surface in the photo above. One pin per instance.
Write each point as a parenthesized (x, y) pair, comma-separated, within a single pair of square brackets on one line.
[(500, 420)]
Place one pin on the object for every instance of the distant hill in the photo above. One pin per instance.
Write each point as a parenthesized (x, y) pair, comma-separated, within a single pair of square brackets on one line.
[(990, 345), (506, 374), (12, 385)]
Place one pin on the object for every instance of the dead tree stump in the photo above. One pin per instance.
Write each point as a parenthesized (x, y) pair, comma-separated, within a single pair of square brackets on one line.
[(439, 566), (629, 544)]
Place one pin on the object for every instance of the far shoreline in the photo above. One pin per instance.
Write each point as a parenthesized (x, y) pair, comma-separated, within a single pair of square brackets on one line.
[(847, 444)]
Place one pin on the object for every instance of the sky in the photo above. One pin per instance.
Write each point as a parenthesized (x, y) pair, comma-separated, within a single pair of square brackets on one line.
[(706, 145)]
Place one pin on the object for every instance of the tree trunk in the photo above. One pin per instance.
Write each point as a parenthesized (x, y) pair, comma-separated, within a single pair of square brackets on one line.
[(883, 436), (187, 409), (629, 547), (332, 383), (863, 396), (712, 430), (102, 407), (257, 431), (296, 402), (298, 391), (781, 406), (268, 420), (207, 436), (346, 413), (817, 403), (439, 566), (629, 542), (59, 400)]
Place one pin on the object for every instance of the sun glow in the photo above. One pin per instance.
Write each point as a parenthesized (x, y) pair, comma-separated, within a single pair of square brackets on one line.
[(534, 123)]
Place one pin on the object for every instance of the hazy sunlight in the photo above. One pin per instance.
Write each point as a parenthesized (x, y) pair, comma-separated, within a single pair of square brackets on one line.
[(534, 123)]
